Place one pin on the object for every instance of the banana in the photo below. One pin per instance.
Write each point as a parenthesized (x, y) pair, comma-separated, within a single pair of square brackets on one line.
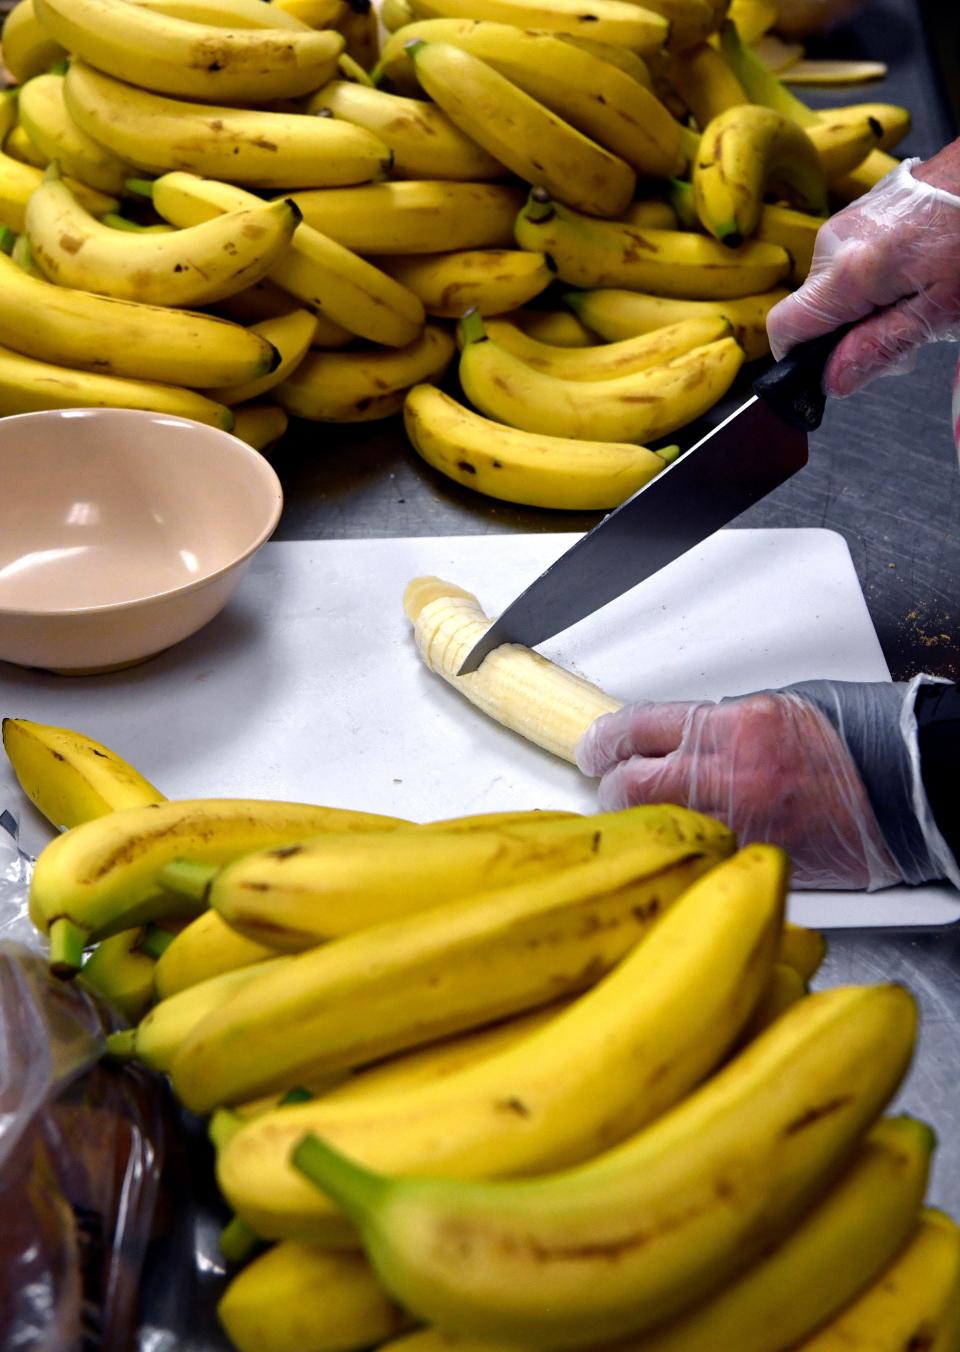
[(122, 974), (636, 1236), (424, 142), (618, 1057), (915, 1303), (260, 425), (44, 115), (640, 407), (358, 24), (228, 13), (759, 83), (302, 1298), (616, 314), (610, 360), (795, 231), (894, 121), (28, 386), (555, 327), (205, 948), (651, 214), (122, 338), (753, 18), (22, 255), (676, 263), (158, 1037), (243, 145), (314, 13), (186, 267), (690, 21), (395, 14), (848, 187), (523, 467), (803, 950), (745, 152), (28, 49), (605, 103), (348, 294), (610, 21), (19, 181), (364, 386), (844, 143), (294, 901), (264, 300), (786, 988), (621, 57), (706, 84), (439, 971), (101, 876), (520, 132), (191, 60), (290, 336), (415, 216), (19, 147), (491, 281), (69, 777)]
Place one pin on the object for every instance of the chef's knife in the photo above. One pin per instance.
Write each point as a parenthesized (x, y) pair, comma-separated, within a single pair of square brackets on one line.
[(748, 455)]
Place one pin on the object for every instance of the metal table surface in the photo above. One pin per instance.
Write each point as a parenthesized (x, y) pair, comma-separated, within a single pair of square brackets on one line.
[(882, 472)]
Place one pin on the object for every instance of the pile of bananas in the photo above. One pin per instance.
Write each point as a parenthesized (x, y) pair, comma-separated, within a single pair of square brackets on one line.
[(237, 211), (528, 1080)]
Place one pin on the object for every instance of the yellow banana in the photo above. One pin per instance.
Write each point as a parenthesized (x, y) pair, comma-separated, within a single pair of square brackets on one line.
[(603, 102), (243, 145), (19, 181), (296, 900), (68, 776), (651, 214), (844, 143), (524, 467), (616, 314), (640, 407), (521, 132), (915, 1302), (28, 49), (102, 876), (302, 1298), (290, 335), (122, 974), (611, 21), (753, 18), (48, 123), (847, 187), (436, 972), (260, 425), (795, 231), (314, 13), (803, 950), (158, 1037), (614, 1060), (363, 386), (491, 281), (703, 79), (894, 121), (676, 263), (358, 24), (19, 147), (556, 327), (832, 1252), (395, 14), (745, 152), (205, 948), (28, 386), (346, 292), (185, 267), (192, 60), (422, 138), (609, 360), (416, 216), (785, 989), (227, 13), (636, 1236), (122, 338)]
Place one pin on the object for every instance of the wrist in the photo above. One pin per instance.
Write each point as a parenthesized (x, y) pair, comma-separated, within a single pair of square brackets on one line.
[(942, 170)]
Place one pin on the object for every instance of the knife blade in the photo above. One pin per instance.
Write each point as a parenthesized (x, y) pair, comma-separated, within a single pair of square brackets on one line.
[(750, 453)]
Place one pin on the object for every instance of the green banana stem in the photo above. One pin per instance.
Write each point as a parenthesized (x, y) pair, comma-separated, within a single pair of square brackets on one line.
[(680, 197), (52, 172), (376, 75), (669, 453), (155, 941), (761, 85), (298, 1094), (122, 1046), (238, 1241), (67, 942), (59, 67), (539, 206), (413, 47), (223, 1126), (7, 240), (188, 878), (357, 1190), (118, 222), (472, 329), (139, 187)]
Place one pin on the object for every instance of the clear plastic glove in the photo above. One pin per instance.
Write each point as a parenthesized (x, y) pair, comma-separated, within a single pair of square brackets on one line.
[(890, 259), (827, 769)]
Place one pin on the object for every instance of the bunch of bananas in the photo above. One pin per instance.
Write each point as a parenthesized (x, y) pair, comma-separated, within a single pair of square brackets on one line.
[(239, 211), (526, 1079)]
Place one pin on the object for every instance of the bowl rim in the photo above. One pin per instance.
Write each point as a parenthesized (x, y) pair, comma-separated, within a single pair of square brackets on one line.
[(253, 457)]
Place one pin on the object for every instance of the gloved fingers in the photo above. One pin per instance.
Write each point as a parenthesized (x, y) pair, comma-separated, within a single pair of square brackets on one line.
[(822, 304), (887, 342), (647, 780), (642, 729)]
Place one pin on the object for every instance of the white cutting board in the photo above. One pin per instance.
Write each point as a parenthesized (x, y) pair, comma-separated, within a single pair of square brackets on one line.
[(308, 685)]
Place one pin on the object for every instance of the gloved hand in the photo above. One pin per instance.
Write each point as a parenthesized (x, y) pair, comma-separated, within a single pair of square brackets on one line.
[(890, 259), (827, 769)]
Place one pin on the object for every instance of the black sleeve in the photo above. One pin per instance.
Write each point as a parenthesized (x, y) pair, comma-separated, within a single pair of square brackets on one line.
[(937, 710)]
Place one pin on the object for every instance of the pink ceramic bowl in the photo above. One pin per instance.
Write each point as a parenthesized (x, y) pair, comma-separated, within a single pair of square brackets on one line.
[(121, 533)]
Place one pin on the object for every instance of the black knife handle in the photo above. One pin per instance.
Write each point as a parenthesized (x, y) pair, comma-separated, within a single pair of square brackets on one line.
[(793, 387)]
